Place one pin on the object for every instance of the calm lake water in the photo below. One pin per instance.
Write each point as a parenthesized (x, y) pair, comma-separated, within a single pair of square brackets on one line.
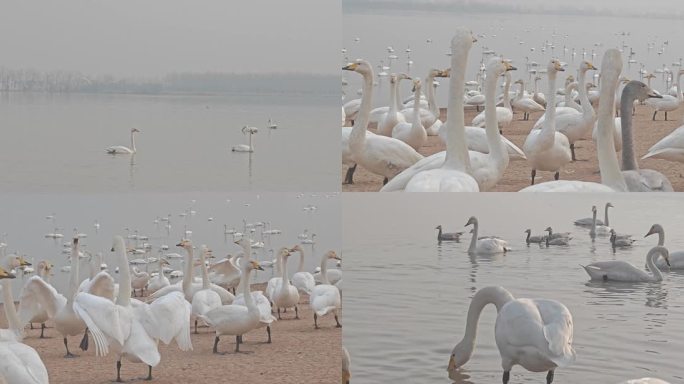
[(56, 143), (407, 297), (503, 33), (24, 225)]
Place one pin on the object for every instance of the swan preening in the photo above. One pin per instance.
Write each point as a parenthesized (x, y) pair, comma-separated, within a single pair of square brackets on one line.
[(120, 149), (536, 334)]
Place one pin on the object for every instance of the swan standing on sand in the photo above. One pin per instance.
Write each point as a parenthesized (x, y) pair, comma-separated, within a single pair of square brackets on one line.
[(325, 297), (526, 103), (139, 281), (392, 117), (449, 175), (226, 273), (130, 327), (533, 333), (676, 258), (67, 322), (41, 314), (668, 103), (454, 236), (612, 179), (381, 155), (589, 221), (538, 97), (546, 149), (618, 270), (303, 280), (412, 133), (488, 245), (120, 149), (430, 118), (638, 180), (246, 147), (205, 299), (160, 281), (504, 115), (20, 363), (670, 147), (285, 295)]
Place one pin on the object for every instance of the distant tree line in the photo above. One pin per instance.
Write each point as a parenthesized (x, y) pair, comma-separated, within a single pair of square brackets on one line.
[(30, 80)]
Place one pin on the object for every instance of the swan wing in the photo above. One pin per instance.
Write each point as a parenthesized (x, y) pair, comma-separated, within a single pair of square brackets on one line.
[(399, 182), (226, 297), (558, 331), (103, 319), (20, 363), (673, 141), (141, 345), (568, 186), (324, 299), (102, 285), (646, 180), (170, 318), (37, 296), (304, 281), (166, 290)]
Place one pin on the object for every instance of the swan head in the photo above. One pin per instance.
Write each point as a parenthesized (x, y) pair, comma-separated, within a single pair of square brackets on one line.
[(610, 205), (135, 130), (641, 91), (360, 66), (16, 261), (252, 265), (498, 66), (185, 243), (548, 229), (463, 39), (284, 252), (519, 81), (471, 221), (4, 274), (45, 266), (440, 72), (296, 248), (655, 228), (586, 66), (555, 66), (438, 227), (460, 355), (332, 255), (416, 85), (528, 231), (164, 262), (593, 208)]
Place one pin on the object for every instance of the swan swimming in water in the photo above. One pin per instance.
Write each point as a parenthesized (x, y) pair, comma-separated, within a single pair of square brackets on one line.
[(246, 147), (676, 258), (533, 333), (484, 245), (120, 149), (618, 270)]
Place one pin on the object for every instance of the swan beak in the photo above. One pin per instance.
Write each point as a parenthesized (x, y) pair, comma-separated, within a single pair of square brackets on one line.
[(23, 262), (350, 67), (509, 67), (591, 66), (650, 232), (259, 267), (655, 94), (474, 39), (452, 364), (6, 275), (444, 73), (667, 260)]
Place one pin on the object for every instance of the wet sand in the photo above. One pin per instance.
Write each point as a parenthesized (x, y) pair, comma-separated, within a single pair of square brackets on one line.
[(517, 175), (299, 354)]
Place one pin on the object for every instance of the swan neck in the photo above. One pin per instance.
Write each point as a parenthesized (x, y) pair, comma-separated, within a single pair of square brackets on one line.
[(473, 240), (124, 298), (394, 97), (457, 157), (496, 151), (10, 310), (587, 108), (549, 127), (605, 217), (188, 277), (301, 261), (650, 261), (205, 275), (357, 137), (73, 274), (324, 269), (507, 87), (485, 296), (283, 268), (626, 102), (609, 167), (680, 95), (661, 238), (249, 301), (430, 92)]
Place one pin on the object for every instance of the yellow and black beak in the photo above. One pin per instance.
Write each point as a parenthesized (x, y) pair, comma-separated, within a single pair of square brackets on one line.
[(591, 66), (6, 275), (509, 66), (350, 67), (23, 262)]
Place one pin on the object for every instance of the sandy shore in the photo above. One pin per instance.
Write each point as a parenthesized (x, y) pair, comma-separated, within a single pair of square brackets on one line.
[(299, 354), (517, 175)]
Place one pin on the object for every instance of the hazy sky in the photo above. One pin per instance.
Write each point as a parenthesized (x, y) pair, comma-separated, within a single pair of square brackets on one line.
[(154, 37), (640, 8)]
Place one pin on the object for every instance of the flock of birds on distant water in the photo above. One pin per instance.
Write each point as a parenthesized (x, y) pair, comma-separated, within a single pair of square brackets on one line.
[(537, 334), (476, 159)]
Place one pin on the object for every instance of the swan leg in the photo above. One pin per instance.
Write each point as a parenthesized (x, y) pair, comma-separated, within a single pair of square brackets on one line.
[(384, 181), (68, 354), (42, 331), (572, 151), (654, 113), (195, 326), (534, 173), (665, 115), (315, 320), (549, 377), (268, 330), (31, 324), (337, 321), (118, 371), (557, 175), (506, 377), (84, 341), (149, 373), (349, 177), (296, 313), (279, 314), (215, 350)]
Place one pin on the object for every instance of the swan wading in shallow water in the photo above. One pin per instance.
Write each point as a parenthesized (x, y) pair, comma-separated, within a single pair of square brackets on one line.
[(676, 258), (484, 245), (246, 147), (618, 270), (122, 150), (533, 333)]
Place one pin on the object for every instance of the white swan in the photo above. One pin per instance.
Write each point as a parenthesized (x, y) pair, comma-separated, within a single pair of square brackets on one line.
[(67, 322), (596, 229), (670, 147), (351, 109), (20, 363), (160, 280), (645, 380), (412, 132), (618, 270), (381, 155), (431, 121), (526, 104), (589, 221), (546, 149), (303, 280), (285, 295), (226, 273), (667, 103), (139, 280), (487, 245), (676, 258), (236, 319), (533, 333), (41, 315), (537, 96), (612, 179), (638, 180), (274, 282), (246, 147), (206, 299), (504, 115), (450, 175), (346, 370), (392, 117), (130, 327), (120, 149), (325, 297)]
